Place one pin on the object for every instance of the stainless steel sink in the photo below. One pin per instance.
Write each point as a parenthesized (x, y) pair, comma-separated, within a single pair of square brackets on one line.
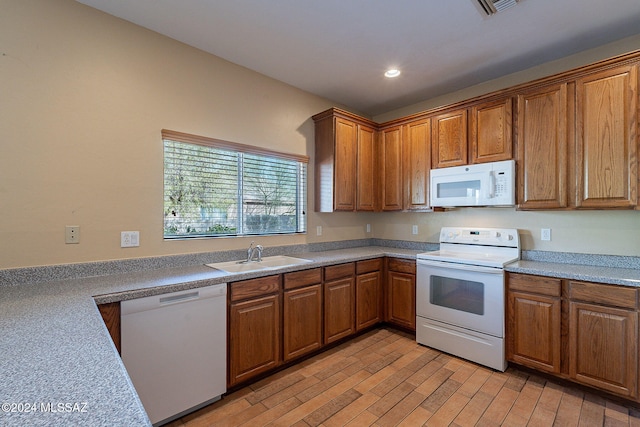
[(267, 263)]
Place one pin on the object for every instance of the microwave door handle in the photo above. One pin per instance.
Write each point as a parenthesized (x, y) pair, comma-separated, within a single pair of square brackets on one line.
[(491, 193)]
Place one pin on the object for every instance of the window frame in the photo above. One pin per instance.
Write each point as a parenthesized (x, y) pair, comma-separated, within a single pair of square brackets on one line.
[(243, 149)]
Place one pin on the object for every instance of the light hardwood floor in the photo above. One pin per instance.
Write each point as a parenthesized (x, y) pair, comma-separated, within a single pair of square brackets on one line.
[(384, 378)]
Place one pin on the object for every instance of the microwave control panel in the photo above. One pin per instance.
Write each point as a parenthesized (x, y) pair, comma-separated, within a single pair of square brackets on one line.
[(502, 184)]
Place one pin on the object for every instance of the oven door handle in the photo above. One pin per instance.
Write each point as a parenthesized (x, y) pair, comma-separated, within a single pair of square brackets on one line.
[(465, 267)]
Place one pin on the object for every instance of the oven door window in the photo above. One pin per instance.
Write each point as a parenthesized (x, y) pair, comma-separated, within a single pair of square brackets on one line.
[(457, 294)]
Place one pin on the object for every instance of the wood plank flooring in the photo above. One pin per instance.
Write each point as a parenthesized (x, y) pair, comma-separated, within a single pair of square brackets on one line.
[(384, 378)]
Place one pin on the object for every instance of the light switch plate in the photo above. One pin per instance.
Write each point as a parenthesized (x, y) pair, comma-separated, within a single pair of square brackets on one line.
[(129, 239), (545, 234)]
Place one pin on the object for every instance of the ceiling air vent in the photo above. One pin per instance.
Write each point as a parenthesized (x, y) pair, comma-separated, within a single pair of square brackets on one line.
[(491, 7)]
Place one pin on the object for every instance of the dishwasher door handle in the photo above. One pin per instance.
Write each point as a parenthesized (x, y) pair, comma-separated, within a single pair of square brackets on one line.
[(173, 299), (165, 300)]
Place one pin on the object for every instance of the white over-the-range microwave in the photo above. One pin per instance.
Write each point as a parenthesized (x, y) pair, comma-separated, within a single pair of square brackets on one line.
[(484, 184)]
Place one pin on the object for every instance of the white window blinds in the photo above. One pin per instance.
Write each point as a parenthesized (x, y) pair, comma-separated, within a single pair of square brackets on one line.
[(217, 188)]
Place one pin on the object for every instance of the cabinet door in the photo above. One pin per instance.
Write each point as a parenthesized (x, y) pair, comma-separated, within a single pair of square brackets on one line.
[(366, 185), (339, 305), (533, 331), (302, 321), (391, 169), (449, 139), (368, 298), (542, 148), (606, 137), (603, 347), (254, 337), (491, 129), (111, 316), (401, 299), (346, 134), (416, 148)]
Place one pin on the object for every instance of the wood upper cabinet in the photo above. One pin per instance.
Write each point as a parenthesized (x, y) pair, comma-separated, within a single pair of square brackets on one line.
[(368, 293), (606, 138), (533, 325), (478, 134), (400, 293), (416, 147), (302, 313), (449, 139), (366, 169), (542, 148), (603, 337), (391, 169), (491, 129), (339, 302), (345, 164), (254, 328)]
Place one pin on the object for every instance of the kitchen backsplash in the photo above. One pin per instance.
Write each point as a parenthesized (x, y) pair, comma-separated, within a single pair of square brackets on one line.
[(18, 276)]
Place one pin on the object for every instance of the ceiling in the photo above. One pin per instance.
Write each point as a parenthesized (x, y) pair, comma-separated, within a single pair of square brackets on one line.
[(339, 49)]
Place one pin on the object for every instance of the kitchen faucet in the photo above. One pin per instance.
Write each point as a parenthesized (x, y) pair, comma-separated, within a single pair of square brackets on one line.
[(252, 250)]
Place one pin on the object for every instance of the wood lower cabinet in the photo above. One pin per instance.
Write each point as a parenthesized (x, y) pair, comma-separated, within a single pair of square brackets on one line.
[(302, 313), (368, 293), (606, 138), (585, 332), (110, 313), (603, 339), (254, 328), (339, 302), (400, 293), (533, 321)]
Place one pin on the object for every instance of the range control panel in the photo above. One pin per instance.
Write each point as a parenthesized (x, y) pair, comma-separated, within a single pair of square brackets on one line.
[(480, 236)]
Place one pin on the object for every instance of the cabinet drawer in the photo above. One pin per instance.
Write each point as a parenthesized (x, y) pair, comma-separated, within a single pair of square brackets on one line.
[(618, 296), (298, 279), (368, 266), (254, 287), (402, 265), (338, 271), (535, 284)]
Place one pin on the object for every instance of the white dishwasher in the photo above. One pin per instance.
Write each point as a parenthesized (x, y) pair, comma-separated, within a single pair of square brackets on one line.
[(174, 349)]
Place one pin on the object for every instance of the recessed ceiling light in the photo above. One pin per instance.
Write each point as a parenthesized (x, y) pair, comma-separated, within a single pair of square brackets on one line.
[(392, 73)]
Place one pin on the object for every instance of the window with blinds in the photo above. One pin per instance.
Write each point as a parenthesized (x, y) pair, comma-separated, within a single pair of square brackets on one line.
[(217, 188)]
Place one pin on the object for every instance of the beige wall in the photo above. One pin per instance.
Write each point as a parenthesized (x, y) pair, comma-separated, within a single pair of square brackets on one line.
[(84, 97)]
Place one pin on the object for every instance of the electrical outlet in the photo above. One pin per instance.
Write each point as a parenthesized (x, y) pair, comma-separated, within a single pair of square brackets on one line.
[(129, 239), (368, 228), (414, 229), (72, 234), (545, 234), (319, 230)]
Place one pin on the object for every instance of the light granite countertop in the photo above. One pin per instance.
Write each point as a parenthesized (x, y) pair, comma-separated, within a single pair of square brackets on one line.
[(59, 365), (587, 273), (57, 354)]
